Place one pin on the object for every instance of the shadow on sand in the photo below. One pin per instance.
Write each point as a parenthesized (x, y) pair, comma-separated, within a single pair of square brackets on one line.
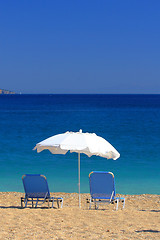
[(148, 231), (18, 207), (153, 210)]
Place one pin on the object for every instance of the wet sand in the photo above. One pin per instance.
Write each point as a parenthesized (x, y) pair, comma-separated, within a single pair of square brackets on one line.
[(139, 220)]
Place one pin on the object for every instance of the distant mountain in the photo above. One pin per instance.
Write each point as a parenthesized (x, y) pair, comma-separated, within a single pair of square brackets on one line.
[(3, 91)]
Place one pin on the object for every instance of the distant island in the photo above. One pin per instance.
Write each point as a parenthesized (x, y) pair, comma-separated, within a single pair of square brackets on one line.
[(3, 91)]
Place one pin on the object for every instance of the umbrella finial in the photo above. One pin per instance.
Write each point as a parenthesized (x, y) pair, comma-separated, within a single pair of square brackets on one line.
[(80, 130)]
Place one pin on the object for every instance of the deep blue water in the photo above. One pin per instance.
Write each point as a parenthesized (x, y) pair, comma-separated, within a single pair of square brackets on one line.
[(131, 123)]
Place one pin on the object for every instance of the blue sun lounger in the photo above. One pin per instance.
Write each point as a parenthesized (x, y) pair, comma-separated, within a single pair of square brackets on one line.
[(102, 189), (37, 191)]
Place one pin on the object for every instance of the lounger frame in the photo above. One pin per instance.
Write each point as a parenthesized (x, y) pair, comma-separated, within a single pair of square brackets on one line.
[(38, 198), (111, 198)]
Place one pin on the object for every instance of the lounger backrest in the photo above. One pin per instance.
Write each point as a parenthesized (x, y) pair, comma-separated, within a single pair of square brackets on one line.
[(102, 185), (35, 186)]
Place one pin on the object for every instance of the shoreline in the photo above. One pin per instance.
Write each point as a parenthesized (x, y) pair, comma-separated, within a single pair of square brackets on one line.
[(84, 193), (139, 220)]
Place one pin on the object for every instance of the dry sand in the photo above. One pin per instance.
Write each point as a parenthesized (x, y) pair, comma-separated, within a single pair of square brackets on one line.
[(139, 220)]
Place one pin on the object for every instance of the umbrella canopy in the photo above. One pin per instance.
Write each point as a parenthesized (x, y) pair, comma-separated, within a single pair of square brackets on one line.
[(87, 143), (79, 142)]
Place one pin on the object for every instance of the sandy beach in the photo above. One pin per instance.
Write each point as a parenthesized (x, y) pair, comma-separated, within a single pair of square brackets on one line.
[(139, 220)]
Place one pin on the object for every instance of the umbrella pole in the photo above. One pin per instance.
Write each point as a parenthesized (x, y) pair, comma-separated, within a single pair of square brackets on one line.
[(79, 180)]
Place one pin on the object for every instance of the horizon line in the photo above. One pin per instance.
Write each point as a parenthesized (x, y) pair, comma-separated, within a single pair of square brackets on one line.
[(82, 94)]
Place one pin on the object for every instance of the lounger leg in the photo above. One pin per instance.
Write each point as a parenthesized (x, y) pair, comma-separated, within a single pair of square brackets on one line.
[(32, 202), (95, 204), (21, 203), (124, 203), (36, 203), (52, 202), (26, 202), (61, 202), (57, 203), (117, 204), (48, 203), (90, 203)]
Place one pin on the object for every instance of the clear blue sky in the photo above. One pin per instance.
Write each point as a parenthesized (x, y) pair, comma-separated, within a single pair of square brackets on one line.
[(83, 46)]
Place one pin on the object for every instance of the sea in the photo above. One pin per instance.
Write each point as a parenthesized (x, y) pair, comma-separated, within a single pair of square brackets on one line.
[(131, 123)]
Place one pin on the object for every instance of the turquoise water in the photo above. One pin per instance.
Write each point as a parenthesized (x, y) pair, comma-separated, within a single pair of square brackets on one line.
[(131, 123)]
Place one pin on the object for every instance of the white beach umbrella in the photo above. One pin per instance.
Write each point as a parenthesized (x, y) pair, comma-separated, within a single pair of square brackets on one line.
[(79, 142)]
